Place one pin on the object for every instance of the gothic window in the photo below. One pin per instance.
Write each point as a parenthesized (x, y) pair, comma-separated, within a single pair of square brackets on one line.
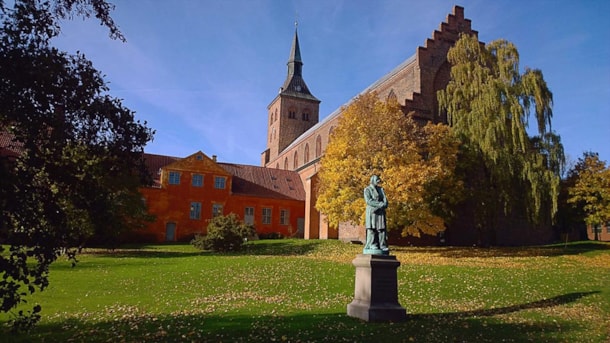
[(292, 114), (296, 160), (305, 116), (330, 132), (392, 96), (306, 153), (318, 146), (286, 163)]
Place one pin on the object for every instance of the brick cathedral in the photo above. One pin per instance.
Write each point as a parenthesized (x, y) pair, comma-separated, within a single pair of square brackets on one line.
[(279, 196), (296, 139)]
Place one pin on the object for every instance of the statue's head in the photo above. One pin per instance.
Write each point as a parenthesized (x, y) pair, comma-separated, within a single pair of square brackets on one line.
[(375, 180)]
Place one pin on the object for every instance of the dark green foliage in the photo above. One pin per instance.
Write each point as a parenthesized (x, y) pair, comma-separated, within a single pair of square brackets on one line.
[(225, 233), (77, 162)]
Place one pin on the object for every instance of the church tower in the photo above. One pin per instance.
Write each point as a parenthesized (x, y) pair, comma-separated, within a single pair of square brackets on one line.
[(293, 111)]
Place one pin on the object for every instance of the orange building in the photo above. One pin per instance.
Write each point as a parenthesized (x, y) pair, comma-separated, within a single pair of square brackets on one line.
[(188, 192)]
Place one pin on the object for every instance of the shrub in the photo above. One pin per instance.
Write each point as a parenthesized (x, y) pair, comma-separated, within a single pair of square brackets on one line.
[(225, 233)]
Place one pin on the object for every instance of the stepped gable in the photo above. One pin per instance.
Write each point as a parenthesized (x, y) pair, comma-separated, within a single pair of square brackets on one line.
[(265, 182), (433, 66)]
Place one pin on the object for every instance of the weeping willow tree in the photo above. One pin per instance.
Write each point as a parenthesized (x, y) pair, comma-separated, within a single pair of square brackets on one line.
[(510, 168)]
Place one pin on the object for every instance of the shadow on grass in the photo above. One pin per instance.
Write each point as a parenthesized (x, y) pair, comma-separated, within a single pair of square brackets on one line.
[(199, 326), (142, 253), (279, 247), (530, 251)]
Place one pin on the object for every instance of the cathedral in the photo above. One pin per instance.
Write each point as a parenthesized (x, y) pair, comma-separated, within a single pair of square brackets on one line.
[(279, 196), (296, 138)]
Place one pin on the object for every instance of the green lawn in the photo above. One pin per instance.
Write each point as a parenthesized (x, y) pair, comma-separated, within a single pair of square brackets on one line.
[(297, 291)]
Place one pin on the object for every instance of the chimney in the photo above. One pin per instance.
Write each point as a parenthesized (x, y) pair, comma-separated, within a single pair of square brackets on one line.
[(214, 158)]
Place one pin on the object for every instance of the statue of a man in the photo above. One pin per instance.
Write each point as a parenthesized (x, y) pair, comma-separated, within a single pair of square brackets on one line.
[(375, 222)]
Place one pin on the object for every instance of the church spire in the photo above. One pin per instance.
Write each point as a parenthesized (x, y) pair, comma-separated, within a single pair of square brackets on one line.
[(295, 64), (294, 84)]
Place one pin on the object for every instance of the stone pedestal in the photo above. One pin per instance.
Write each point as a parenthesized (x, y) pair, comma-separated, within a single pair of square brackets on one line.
[(376, 290)]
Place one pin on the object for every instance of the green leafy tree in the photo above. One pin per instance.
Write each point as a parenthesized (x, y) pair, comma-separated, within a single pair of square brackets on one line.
[(590, 190), (489, 104), (79, 151), (415, 162), (224, 233)]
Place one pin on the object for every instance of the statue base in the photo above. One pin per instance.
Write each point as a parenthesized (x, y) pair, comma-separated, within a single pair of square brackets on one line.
[(366, 251), (376, 290)]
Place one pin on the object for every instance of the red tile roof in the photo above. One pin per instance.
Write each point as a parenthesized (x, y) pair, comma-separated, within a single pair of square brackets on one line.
[(155, 162), (265, 182), (8, 146), (247, 180)]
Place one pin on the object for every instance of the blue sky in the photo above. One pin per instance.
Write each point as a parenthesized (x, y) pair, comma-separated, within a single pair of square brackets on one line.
[(203, 72)]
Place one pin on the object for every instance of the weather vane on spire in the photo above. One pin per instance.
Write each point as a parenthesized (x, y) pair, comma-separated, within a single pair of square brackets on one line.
[(296, 20)]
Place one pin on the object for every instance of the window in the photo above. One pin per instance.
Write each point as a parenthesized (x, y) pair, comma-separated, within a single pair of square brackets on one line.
[(306, 160), (305, 116), (286, 163), (199, 157), (195, 210), (266, 216), (284, 217), (174, 178), (296, 160), (318, 146), (216, 210), (219, 182), (249, 215), (197, 180), (292, 114)]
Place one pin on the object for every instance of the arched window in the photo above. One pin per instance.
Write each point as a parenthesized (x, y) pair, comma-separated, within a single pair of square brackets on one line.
[(318, 146), (286, 163), (295, 163), (277, 166), (330, 132), (306, 153)]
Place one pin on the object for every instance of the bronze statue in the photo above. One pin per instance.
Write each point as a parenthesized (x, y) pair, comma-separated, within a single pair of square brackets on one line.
[(375, 222)]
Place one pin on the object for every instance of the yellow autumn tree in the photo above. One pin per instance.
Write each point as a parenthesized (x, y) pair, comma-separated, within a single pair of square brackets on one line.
[(415, 162), (591, 190)]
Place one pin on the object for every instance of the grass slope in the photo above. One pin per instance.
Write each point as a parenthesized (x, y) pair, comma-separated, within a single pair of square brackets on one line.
[(297, 291)]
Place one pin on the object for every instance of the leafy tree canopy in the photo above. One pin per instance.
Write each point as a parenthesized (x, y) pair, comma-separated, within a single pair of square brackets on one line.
[(77, 164), (591, 189), (415, 162), (490, 104)]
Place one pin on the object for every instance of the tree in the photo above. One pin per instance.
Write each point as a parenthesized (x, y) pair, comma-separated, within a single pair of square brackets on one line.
[(79, 161), (489, 104), (590, 191), (415, 162), (224, 233)]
